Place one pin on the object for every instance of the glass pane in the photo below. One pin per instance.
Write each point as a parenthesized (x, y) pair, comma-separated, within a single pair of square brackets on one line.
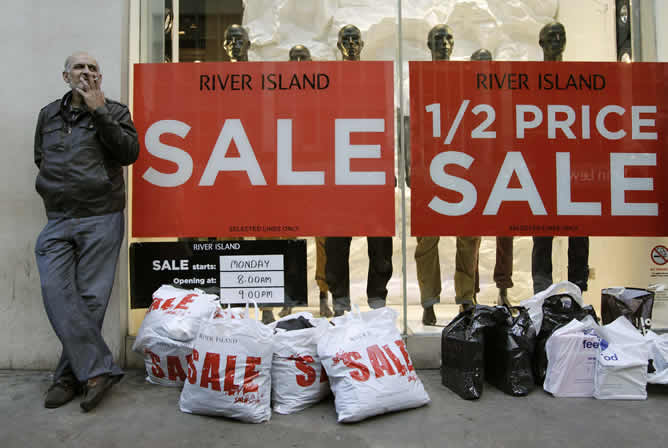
[(510, 31), (153, 28), (315, 25), (202, 24), (445, 271), (274, 28), (650, 256)]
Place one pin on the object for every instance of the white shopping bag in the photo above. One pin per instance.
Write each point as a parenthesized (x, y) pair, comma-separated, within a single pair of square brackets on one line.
[(571, 359), (621, 365), (297, 376), (168, 331), (658, 353), (230, 371), (535, 303), (175, 314), (369, 369)]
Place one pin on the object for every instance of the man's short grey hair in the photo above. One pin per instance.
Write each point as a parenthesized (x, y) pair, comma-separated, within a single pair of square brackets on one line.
[(68, 63), (70, 59)]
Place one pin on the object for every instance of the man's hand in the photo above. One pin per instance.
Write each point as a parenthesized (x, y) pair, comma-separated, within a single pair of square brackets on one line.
[(91, 93)]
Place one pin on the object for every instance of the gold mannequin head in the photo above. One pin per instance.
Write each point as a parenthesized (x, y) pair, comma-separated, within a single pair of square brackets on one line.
[(552, 40), (440, 42), (350, 43), (300, 53), (236, 43), (482, 55)]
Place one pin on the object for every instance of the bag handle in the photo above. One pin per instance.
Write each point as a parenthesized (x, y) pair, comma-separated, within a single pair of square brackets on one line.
[(257, 313), (563, 287)]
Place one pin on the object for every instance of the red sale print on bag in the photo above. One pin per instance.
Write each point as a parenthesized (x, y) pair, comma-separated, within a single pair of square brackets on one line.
[(210, 378), (309, 376), (175, 371), (168, 304), (381, 361)]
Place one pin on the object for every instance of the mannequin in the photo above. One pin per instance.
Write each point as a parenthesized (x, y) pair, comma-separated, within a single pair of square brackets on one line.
[(440, 42), (301, 53), (337, 268), (503, 267), (236, 43), (552, 40)]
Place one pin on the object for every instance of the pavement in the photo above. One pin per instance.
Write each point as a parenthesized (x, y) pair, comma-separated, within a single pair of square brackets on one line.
[(139, 414)]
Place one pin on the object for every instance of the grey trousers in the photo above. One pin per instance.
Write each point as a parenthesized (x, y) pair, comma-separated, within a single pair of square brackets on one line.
[(77, 259)]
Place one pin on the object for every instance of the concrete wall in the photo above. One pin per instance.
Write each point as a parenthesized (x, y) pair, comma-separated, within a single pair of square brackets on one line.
[(37, 37)]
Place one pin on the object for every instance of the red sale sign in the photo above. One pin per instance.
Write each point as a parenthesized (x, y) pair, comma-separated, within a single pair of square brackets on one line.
[(264, 149), (539, 148)]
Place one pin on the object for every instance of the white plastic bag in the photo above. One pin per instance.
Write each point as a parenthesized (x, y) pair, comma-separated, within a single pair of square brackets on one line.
[(175, 314), (297, 376), (535, 303), (658, 353), (369, 369), (571, 359), (168, 331), (621, 365), (229, 373)]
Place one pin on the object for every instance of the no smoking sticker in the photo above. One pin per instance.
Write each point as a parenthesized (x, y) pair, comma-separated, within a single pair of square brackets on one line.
[(660, 255)]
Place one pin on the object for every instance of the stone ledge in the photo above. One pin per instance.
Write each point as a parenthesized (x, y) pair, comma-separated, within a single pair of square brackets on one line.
[(132, 359)]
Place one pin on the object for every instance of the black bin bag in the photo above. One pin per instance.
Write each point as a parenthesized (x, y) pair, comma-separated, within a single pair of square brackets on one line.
[(463, 351), (558, 310), (509, 348), (633, 303), (298, 323)]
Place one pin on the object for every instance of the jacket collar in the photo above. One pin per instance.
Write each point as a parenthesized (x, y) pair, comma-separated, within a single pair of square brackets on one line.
[(64, 107)]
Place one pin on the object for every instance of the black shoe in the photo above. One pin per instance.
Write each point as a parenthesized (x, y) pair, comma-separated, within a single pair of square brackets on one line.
[(96, 388), (61, 392), (465, 307), (428, 316), (267, 316), (338, 313)]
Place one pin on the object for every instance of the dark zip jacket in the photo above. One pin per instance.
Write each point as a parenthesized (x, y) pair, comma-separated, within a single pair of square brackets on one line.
[(81, 161)]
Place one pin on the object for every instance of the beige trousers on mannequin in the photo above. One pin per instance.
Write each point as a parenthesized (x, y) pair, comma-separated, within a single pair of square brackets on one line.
[(428, 270), (466, 269)]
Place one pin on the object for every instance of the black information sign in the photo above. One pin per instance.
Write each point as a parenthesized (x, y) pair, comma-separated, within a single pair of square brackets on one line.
[(269, 272)]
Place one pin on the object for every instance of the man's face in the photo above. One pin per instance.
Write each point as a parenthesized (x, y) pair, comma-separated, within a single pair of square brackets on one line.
[(82, 67), (300, 54), (441, 43), (236, 44), (350, 43), (554, 41)]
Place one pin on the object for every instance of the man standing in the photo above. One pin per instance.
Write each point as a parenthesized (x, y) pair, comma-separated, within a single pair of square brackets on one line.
[(82, 142)]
